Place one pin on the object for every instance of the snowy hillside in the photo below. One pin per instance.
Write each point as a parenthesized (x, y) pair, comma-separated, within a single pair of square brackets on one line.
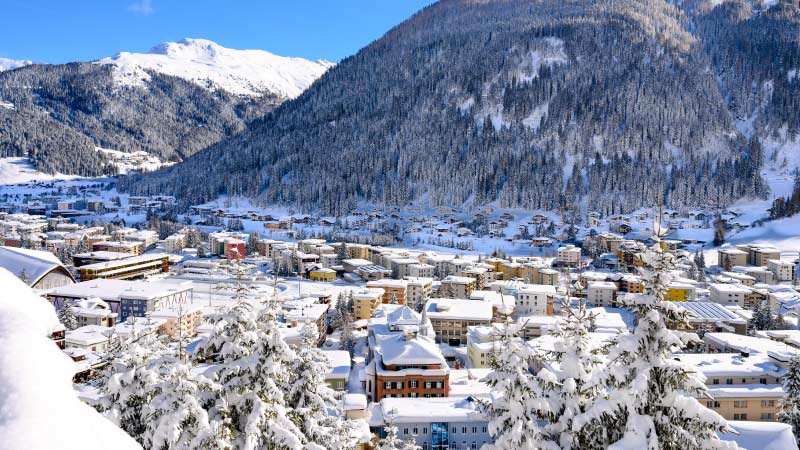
[(8, 64), (16, 170), (206, 63)]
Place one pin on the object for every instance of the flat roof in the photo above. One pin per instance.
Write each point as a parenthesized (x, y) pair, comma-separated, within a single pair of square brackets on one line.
[(124, 262), (113, 290)]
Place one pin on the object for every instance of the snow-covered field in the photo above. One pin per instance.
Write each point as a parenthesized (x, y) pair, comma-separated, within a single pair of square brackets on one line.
[(16, 170), (209, 65)]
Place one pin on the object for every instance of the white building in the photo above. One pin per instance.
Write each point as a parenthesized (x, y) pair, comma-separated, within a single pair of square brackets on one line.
[(534, 300), (602, 293), (783, 270), (728, 293)]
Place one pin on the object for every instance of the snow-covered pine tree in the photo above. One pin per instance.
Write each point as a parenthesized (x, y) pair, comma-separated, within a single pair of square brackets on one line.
[(789, 405), (67, 316), (178, 414), (762, 317), (130, 381), (343, 253), (311, 399), (513, 424), (652, 402), (393, 442), (572, 391), (234, 335), (251, 402)]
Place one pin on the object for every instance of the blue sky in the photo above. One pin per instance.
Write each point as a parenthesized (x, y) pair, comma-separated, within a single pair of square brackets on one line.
[(58, 31)]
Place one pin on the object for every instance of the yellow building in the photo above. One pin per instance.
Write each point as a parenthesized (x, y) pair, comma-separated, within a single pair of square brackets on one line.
[(365, 301), (322, 274), (680, 292)]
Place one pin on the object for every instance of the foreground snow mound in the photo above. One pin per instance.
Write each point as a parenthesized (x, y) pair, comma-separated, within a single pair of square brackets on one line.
[(38, 407), (242, 72)]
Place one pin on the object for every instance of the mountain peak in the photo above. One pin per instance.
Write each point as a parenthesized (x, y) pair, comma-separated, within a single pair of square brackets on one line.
[(8, 64), (204, 62)]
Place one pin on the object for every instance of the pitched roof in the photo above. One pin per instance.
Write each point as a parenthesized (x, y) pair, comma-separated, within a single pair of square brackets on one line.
[(36, 263)]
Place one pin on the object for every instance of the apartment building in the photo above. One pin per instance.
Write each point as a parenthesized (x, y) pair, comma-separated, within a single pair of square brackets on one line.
[(602, 293), (744, 386), (365, 301), (728, 293), (783, 270), (456, 287), (534, 300), (451, 318), (393, 290), (419, 289)]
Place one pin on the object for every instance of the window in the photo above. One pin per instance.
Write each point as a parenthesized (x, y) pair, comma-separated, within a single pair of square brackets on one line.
[(762, 380), (416, 431), (412, 395), (766, 416), (405, 431), (740, 404), (474, 430), (454, 430), (767, 403), (712, 404), (729, 381), (412, 383), (425, 430), (474, 445), (715, 381), (464, 430), (740, 417)]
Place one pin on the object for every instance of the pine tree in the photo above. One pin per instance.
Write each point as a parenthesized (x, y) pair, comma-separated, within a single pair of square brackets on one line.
[(789, 405), (513, 424), (253, 241), (392, 442), (572, 392), (311, 398), (178, 414), (653, 399), (129, 383), (67, 316), (251, 401), (342, 253)]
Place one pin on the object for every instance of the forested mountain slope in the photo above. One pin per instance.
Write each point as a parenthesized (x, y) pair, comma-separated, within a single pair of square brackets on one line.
[(170, 102), (531, 104)]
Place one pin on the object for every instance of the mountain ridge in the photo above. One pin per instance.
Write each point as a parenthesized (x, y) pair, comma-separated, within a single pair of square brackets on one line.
[(57, 114), (443, 107)]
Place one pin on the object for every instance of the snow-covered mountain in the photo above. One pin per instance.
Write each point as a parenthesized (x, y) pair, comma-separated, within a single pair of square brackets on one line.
[(242, 72), (8, 64)]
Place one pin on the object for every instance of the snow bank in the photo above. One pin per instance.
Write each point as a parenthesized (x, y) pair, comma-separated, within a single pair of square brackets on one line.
[(38, 407)]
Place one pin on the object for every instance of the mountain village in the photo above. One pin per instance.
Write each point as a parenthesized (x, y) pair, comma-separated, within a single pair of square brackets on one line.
[(408, 308)]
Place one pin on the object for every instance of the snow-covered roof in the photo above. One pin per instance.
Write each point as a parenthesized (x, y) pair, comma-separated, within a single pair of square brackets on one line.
[(416, 410), (458, 309), (409, 351), (35, 263), (339, 363), (708, 311), (750, 344), (41, 408), (745, 390), (731, 364), (114, 290), (761, 435), (403, 316)]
